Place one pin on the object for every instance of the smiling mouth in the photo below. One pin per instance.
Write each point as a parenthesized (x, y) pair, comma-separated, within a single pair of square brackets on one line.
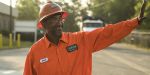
[(59, 29)]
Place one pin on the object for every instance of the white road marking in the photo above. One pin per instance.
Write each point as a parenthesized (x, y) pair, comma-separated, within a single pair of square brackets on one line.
[(131, 64), (7, 71)]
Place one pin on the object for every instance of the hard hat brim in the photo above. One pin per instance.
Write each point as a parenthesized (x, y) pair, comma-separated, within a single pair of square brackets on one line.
[(64, 16)]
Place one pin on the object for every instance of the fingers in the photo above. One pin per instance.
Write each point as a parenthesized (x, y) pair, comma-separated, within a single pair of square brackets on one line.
[(143, 9), (145, 0), (140, 20)]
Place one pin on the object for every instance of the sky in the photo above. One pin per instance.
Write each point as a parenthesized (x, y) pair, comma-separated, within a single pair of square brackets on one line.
[(7, 2)]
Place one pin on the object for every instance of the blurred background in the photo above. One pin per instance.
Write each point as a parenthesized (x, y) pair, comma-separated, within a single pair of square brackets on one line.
[(18, 18), (18, 21)]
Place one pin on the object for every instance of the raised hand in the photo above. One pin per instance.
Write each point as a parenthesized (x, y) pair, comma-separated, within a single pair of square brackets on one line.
[(141, 17)]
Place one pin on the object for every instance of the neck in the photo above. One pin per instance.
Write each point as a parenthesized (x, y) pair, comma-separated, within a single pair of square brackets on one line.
[(53, 39)]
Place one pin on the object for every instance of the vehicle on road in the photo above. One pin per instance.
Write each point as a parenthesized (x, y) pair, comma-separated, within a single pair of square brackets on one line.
[(89, 25)]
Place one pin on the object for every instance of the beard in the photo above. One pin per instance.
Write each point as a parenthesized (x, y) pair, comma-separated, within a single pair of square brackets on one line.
[(56, 31)]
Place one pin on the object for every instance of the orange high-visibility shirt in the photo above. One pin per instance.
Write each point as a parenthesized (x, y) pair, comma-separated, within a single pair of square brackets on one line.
[(73, 54)]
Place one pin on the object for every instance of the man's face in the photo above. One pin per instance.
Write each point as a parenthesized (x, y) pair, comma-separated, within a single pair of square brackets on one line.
[(53, 25)]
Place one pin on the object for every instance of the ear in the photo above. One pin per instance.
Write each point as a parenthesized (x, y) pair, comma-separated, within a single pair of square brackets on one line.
[(43, 24)]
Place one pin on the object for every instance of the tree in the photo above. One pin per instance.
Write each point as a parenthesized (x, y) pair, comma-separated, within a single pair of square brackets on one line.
[(28, 9), (75, 13), (100, 9), (121, 10), (113, 10), (70, 23)]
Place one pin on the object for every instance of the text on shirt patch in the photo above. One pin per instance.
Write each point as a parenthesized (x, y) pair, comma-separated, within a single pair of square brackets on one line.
[(72, 48), (43, 60)]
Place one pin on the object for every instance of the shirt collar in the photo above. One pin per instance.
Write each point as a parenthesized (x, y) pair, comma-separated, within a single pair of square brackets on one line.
[(46, 41), (62, 39)]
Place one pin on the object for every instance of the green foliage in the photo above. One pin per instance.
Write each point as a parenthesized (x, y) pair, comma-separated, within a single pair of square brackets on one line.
[(6, 43), (114, 10), (70, 24), (146, 23), (28, 9), (121, 10), (100, 8)]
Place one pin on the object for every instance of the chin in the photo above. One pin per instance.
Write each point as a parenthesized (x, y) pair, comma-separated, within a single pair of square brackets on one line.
[(59, 34)]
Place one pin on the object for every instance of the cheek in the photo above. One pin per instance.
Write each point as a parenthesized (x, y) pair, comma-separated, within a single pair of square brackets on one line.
[(51, 29)]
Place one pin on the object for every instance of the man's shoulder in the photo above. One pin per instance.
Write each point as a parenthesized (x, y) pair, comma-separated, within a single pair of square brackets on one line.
[(74, 36), (73, 33)]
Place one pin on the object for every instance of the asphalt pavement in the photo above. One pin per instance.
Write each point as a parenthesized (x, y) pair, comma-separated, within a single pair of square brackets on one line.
[(114, 60)]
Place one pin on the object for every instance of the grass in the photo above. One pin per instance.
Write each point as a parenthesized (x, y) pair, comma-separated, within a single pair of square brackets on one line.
[(23, 44), (131, 46)]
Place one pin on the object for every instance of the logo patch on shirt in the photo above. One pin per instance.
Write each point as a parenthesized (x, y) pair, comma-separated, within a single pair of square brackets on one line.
[(72, 48), (43, 60)]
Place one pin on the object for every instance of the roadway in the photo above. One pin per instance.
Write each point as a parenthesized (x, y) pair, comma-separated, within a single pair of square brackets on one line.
[(114, 60)]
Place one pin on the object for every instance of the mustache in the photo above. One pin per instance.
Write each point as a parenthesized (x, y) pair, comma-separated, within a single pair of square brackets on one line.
[(61, 24)]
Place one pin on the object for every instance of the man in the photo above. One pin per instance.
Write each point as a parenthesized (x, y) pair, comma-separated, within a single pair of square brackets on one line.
[(59, 53)]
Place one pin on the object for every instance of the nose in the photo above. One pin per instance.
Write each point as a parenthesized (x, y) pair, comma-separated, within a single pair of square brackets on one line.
[(59, 24)]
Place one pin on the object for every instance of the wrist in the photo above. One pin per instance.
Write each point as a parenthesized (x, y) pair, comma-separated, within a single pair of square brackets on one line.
[(139, 20)]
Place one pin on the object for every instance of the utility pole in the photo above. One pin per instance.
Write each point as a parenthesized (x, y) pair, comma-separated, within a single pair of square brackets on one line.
[(10, 23)]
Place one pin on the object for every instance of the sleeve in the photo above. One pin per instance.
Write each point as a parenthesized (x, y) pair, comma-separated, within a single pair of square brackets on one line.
[(28, 68), (111, 33)]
